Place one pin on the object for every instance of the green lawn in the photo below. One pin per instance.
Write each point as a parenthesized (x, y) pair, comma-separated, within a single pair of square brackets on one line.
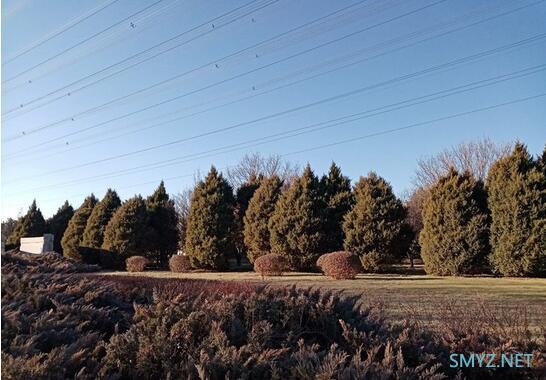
[(428, 299)]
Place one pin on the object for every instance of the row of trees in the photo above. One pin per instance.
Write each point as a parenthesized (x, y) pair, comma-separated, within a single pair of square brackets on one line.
[(108, 231)]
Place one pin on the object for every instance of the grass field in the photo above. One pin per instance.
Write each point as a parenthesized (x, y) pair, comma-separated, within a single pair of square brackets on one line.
[(498, 302)]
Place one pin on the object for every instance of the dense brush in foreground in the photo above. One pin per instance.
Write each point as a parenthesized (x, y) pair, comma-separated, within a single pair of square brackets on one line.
[(58, 323)]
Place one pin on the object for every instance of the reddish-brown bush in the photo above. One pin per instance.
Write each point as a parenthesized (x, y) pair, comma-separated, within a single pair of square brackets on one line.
[(179, 263), (271, 265), (136, 263), (340, 265)]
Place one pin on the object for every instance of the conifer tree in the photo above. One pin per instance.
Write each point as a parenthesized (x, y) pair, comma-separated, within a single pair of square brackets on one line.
[(517, 199), (244, 194), (375, 228), (126, 233), (93, 234), (336, 190), (31, 225), (256, 219), (58, 223), (455, 235), (297, 224), (73, 235), (163, 240), (209, 233)]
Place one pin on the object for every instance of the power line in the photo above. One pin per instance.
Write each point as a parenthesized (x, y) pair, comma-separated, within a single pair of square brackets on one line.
[(316, 126), (411, 126), (206, 23), (73, 117), (81, 42), (71, 24), (305, 70)]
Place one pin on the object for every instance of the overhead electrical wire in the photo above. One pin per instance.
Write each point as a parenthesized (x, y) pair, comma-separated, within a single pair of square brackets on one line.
[(63, 29), (327, 124), (305, 70), (206, 65), (74, 117)]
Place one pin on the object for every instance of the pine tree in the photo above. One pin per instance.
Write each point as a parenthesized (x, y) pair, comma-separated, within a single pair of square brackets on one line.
[(256, 219), (455, 235), (210, 223), (93, 234), (127, 232), (296, 226), (58, 223), (517, 199), (163, 241), (375, 228), (336, 190), (244, 194), (30, 225), (73, 235)]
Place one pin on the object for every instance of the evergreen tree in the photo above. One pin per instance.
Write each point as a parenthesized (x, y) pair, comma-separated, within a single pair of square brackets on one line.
[(517, 199), (30, 225), (375, 228), (244, 194), (336, 190), (296, 226), (256, 219), (210, 222), (58, 223), (73, 235), (163, 241), (93, 234), (127, 232), (455, 235)]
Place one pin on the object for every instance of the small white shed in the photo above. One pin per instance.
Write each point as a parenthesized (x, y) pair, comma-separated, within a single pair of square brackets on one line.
[(37, 245)]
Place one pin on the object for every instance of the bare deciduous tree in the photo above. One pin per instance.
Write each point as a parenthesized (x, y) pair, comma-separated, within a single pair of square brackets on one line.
[(182, 202), (255, 165), (473, 156)]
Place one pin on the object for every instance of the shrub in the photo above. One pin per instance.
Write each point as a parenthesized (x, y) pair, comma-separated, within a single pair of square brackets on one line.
[(179, 263), (73, 234), (137, 263), (376, 222), (297, 225), (258, 213), (271, 265), (516, 196), (210, 223), (321, 260), (340, 265), (455, 235)]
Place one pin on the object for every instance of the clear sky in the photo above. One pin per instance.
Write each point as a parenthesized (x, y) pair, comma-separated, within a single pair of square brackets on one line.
[(69, 127)]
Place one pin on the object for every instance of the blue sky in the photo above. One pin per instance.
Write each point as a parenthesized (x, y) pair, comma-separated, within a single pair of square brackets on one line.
[(72, 147)]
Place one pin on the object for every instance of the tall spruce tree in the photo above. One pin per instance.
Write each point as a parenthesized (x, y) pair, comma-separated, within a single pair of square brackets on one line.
[(58, 223), (73, 235), (209, 232), (163, 241), (375, 228), (336, 190), (517, 199), (297, 225), (455, 235), (30, 225), (93, 234), (127, 232), (256, 219), (243, 195)]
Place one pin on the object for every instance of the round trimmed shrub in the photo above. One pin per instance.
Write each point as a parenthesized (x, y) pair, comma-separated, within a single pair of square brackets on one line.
[(320, 261), (179, 263), (372, 261), (271, 265), (136, 263), (341, 265)]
